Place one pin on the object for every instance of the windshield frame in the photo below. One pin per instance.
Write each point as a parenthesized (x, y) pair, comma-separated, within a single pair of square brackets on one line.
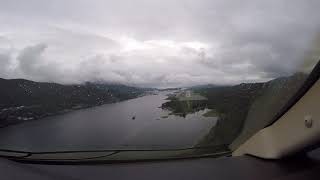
[(108, 156)]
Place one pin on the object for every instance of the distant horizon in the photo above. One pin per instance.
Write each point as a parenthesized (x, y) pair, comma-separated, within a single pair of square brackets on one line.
[(132, 85)]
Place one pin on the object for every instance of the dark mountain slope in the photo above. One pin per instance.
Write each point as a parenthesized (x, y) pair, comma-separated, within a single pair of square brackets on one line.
[(25, 100), (247, 108)]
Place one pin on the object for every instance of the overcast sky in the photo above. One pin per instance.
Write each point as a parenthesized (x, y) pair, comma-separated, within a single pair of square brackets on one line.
[(158, 43)]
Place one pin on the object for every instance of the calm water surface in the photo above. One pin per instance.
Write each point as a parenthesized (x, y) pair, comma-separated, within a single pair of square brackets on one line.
[(110, 127)]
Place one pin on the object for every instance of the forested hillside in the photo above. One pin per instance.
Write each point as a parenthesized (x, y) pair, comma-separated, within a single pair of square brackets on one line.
[(27, 100)]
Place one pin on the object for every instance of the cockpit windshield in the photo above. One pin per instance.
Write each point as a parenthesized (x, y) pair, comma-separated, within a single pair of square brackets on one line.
[(125, 79)]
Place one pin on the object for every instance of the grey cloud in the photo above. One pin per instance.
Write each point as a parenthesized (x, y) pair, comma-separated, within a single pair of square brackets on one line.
[(33, 64), (5, 60), (30, 58), (80, 40)]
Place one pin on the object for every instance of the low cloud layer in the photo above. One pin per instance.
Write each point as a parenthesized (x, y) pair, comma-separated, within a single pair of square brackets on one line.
[(166, 43)]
